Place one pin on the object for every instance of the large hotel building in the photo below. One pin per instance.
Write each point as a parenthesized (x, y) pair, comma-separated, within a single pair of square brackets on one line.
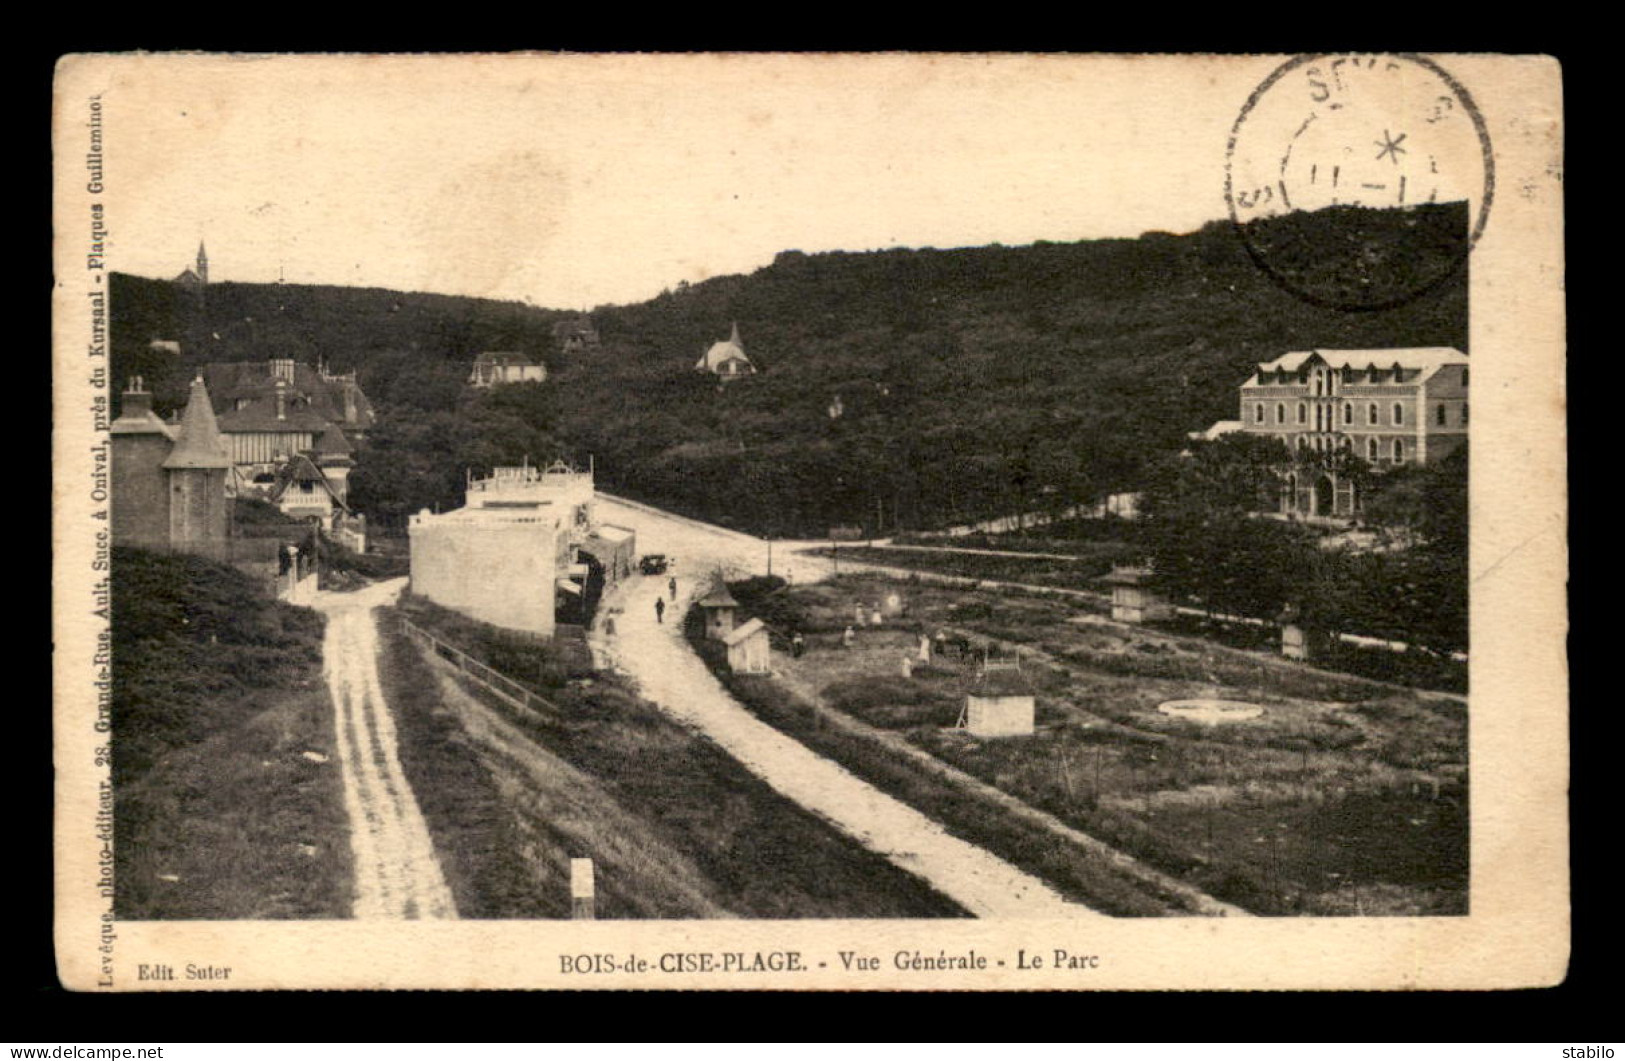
[(1389, 407)]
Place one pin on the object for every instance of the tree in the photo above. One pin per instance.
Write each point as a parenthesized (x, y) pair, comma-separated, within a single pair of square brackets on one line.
[(1199, 525)]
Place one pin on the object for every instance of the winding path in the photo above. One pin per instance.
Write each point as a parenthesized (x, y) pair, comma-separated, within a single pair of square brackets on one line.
[(669, 673)]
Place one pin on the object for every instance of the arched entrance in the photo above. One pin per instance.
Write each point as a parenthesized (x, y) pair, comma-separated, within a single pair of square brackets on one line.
[(1324, 494)]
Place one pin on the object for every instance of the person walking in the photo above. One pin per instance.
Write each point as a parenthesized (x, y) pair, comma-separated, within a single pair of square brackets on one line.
[(671, 584), (660, 609)]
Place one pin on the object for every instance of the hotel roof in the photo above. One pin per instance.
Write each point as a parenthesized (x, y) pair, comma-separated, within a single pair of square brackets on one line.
[(1426, 358)]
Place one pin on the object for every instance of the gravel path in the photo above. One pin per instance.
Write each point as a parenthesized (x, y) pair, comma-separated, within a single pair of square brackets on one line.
[(396, 875)]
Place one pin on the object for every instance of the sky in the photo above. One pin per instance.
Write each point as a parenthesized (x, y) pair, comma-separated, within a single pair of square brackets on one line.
[(580, 181)]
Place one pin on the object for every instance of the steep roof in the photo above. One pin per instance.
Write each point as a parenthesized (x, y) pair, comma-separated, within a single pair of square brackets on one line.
[(743, 631), (301, 469), (332, 443), (731, 349), (199, 445), (719, 597), (311, 400)]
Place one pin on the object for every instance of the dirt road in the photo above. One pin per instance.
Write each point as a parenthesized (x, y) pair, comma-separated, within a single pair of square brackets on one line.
[(668, 672), (396, 875)]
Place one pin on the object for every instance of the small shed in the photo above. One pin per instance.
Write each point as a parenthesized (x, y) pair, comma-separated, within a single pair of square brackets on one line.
[(1134, 595), (719, 607), (748, 648), (999, 704)]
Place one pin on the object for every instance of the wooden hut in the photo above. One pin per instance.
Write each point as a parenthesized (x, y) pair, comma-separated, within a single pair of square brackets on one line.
[(748, 648)]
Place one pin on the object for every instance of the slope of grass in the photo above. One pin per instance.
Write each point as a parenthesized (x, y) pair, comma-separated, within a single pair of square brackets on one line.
[(227, 797), (678, 827)]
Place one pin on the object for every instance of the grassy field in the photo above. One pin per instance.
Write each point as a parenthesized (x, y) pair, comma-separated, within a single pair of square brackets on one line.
[(677, 828), (1345, 796), (1081, 876), (228, 801), (1094, 559)]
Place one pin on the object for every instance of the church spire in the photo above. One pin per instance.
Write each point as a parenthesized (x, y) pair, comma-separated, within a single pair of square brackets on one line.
[(202, 262), (734, 338)]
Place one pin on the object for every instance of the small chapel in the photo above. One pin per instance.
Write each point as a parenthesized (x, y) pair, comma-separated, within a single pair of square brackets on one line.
[(197, 277), (727, 359)]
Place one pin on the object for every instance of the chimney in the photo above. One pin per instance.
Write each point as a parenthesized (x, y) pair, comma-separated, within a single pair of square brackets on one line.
[(136, 401), (281, 399), (349, 404)]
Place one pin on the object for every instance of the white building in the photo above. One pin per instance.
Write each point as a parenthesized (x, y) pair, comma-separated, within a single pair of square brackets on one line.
[(727, 359), (505, 556), (493, 368), (499, 565)]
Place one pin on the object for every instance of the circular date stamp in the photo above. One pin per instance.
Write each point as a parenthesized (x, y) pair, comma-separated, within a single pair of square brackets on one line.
[(1389, 148)]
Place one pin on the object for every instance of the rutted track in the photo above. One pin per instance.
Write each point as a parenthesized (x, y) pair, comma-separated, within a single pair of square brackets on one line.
[(396, 874)]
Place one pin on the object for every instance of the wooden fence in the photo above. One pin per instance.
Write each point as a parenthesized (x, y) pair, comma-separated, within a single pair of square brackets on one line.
[(495, 682)]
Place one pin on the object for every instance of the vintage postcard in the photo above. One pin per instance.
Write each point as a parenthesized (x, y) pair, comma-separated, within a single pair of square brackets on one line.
[(769, 521)]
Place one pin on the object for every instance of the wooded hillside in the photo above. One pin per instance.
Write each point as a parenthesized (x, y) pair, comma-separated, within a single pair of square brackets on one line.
[(971, 381)]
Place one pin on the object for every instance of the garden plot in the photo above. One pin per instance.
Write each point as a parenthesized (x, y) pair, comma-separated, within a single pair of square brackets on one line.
[(1341, 796)]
